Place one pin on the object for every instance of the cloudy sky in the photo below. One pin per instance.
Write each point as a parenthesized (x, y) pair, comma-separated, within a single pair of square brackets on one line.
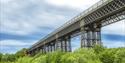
[(24, 22)]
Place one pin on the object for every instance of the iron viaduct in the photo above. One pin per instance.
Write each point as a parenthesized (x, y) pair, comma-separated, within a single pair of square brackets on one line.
[(88, 24)]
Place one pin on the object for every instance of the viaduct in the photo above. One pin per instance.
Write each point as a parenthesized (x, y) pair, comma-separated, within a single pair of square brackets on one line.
[(87, 24)]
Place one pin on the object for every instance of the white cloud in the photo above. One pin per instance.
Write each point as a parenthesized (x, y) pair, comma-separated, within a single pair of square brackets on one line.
[(5, 1), (113, 44), (11, 49), (24, 17), (17, 18), (76, 4), (15, 43), (19, 28), (23, 27), (5, 49), (12, 46), (117, 28)]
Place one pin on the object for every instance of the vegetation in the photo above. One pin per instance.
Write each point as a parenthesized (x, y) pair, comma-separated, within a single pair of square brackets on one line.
[(10, 58), (97, 54)]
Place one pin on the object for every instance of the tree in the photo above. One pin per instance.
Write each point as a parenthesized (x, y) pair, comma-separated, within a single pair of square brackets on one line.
[(21, 53), (8, 58), (1, 56)]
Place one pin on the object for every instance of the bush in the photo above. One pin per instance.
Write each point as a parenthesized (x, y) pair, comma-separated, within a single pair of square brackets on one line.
[(25, 59), (98, 54), (120, 56)]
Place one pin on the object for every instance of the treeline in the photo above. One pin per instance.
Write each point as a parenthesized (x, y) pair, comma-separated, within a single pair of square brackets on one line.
[(98, 54), (8, 58)]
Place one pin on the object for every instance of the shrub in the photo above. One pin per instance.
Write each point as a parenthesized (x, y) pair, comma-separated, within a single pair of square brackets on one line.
[(98, 54)]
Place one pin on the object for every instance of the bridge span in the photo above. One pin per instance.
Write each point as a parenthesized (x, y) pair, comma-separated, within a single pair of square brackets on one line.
[(88, 24)]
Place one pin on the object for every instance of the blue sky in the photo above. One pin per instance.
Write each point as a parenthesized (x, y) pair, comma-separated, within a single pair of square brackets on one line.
[(24, 22)]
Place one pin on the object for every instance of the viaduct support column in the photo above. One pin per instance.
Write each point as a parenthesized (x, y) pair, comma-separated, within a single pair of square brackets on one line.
[(64, 45), (83, 37), (68, 47), (47, 49), (97, 35), (58, 44), (44, 49), (90, 36), (54, 46)]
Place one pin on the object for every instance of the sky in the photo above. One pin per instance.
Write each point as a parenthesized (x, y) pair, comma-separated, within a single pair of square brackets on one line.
[(24, 22)]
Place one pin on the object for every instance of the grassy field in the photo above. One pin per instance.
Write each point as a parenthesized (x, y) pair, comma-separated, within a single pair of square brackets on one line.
[(84, 55)]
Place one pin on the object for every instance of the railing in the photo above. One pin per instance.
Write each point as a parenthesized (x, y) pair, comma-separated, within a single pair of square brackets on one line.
[(75, 19)]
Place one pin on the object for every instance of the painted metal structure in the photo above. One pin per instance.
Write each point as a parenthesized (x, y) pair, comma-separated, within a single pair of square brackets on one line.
[(87, 24)]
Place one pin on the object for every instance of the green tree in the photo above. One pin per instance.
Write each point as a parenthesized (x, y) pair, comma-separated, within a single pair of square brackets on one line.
[(21, 53), (120, 56), (8, 58), (99, 49), (1, 56)]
